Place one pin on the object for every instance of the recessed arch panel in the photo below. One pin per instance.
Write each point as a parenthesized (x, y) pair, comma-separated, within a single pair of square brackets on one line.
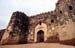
[(42, 27)]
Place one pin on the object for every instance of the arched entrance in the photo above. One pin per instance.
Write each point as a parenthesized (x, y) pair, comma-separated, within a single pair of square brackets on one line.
[(40, 36), (40, 30)]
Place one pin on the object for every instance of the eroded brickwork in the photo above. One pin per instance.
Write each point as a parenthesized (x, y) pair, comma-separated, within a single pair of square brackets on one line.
[(17, 28)]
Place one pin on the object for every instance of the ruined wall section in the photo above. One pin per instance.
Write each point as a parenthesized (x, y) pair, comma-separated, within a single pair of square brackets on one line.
[(17, 29), (65, 11)]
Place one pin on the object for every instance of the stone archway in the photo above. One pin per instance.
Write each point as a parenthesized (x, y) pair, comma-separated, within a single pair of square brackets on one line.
[(42, 27), (40, 36)]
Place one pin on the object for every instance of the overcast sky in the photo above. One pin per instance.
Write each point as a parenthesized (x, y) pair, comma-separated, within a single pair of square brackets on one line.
[(29, 7)]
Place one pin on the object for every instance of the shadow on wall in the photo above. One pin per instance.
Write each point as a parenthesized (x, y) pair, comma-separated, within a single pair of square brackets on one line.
[(25, 30), (1, 33), (55, 39), (68, 42)]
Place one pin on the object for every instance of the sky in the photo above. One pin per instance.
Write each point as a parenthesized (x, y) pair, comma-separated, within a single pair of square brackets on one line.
[(29, 7)]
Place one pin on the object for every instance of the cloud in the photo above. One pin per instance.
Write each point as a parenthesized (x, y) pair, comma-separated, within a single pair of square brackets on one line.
[(29, 7), (2, 24), (35, 6)]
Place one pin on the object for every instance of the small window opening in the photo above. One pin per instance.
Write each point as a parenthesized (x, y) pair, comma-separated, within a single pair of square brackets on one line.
[(40, 22), (61, 12), (52, 21), (70, 8)]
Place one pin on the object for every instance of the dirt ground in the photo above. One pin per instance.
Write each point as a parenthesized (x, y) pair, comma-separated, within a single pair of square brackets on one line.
[(38, 45)]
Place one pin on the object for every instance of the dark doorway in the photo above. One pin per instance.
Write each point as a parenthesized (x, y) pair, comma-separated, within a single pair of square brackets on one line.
[(40, 36)]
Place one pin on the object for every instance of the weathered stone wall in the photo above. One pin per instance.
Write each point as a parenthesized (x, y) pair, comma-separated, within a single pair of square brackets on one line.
[(58, 25), (48, 18), (63, 19), (65, 10), (17, 29)]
